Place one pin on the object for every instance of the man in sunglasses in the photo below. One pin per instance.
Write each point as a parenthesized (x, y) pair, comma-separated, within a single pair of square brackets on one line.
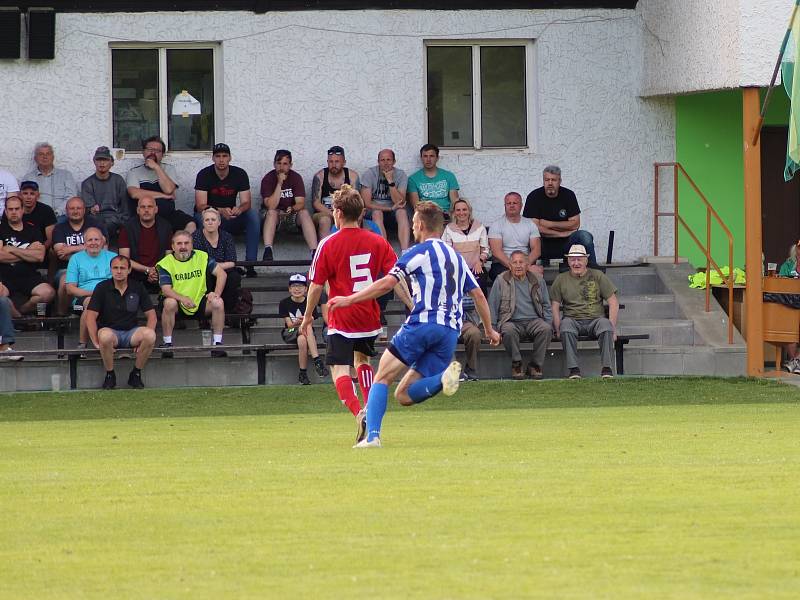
[(326, 181)]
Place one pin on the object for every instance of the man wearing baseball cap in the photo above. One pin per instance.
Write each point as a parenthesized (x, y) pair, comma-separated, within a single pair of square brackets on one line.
[(105, 193), (218, 186), (580, 292), (292, 309)]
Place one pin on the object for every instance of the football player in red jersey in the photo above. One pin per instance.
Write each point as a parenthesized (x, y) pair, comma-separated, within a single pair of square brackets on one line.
[(349, 260)]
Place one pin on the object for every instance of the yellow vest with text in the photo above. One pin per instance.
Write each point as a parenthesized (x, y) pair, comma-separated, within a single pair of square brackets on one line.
[(188, 277)]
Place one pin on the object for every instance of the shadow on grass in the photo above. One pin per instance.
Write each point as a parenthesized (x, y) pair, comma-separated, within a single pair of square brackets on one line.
[(321, 399)]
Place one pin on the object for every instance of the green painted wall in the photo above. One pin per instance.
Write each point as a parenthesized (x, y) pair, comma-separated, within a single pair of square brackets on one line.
[(708, 143)]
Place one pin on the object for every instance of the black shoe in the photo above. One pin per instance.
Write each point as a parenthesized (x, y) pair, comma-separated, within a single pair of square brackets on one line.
[(607, 373), (135, 380), (468, 375), (218, 353), (303, 378), (166, 353), (574, 373), (251, 273), (267, 256), (110, 382), (319, 367)]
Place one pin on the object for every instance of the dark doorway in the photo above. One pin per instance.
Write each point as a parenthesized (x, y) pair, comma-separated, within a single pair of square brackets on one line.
[(780, 200)]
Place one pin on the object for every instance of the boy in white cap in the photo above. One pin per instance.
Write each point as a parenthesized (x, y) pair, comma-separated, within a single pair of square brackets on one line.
[(292, 309), (580, 293)]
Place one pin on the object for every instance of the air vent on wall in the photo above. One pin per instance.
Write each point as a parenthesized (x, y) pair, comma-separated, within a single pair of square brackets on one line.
[(9, 32), (41, 33)]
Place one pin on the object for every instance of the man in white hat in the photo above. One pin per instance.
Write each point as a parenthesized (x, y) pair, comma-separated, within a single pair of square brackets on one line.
[(580, 293)]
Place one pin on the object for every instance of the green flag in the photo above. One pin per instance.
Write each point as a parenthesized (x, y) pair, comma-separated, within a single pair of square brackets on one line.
[(791, 57)]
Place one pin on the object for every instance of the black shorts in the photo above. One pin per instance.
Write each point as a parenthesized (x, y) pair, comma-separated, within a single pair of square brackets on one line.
[(340, 349), (23, 285), (199, 314)]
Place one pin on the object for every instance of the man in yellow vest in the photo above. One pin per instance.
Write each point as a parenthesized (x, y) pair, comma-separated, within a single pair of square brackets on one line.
[(183, 277)]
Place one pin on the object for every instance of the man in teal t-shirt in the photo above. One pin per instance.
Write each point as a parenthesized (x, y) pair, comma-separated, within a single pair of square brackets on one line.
[(431, 183)]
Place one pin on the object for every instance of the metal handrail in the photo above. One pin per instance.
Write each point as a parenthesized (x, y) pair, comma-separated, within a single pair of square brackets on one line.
[(677, 219)]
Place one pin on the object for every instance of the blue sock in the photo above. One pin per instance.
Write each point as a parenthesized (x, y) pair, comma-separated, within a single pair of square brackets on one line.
[(376, 408), (425, 388)]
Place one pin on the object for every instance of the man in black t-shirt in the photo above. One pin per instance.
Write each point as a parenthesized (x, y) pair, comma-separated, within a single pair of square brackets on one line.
[(111, 321), (36, 214), (21, 251), (217, 186), (554, 210)]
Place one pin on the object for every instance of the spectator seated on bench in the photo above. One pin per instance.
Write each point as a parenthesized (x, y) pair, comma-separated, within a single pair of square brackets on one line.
[(21, 253), (111, 321), (68, 239), (57, 185), (555, 211), (292, 309), (217, 186), (469, 238), (220, 246), (7, 334), (105, 194), (326, 182), (471, 338), (580, 293), (520, 308), (511, 233), (283, 195), (383, 189), (86, 269), (145, 240), (184, 277)]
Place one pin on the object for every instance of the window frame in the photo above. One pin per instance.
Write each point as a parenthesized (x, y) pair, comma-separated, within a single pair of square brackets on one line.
[(163, 101), (530, 92)]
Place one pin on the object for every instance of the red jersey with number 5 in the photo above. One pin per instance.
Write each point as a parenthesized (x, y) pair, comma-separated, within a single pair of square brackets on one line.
[(349, 260)]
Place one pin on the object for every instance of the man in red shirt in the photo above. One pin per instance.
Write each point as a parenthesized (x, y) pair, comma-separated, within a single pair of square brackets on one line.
[(145, 240), (349, 260)]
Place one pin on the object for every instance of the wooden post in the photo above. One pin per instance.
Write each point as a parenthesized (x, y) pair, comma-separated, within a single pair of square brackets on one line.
[(753, 244)]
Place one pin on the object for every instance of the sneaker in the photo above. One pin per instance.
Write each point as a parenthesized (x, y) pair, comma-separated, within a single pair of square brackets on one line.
[(516, 370), (790, 364), (796, 366), (374, 443), (319, 367), (251, 273), (535, 372), (218, 353), (8, 354), (81, 346), (450, 379), (267, 256), (361, 425), (135, 380), (575, 373), (166, 353), (606, 373), (110, 382), (468, 375), (302, 377)]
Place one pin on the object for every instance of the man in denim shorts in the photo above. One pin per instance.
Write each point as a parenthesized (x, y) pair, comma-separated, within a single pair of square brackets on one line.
[(111, 321)]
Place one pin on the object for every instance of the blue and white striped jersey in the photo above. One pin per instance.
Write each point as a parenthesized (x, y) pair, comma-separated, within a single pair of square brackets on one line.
[(439, 280)]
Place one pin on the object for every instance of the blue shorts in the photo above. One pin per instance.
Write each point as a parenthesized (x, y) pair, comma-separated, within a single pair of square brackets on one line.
[(124, 337), (427, 348)]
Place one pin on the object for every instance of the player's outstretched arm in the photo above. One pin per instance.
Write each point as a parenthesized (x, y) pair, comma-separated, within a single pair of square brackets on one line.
[(482, 306), (372, 291)]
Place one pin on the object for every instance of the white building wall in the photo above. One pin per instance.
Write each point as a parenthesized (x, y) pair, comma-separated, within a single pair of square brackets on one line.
[(296, 80), (701, 45)]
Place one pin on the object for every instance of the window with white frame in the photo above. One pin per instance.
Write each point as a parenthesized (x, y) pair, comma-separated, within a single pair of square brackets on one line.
[(166, 91), (478, 93)]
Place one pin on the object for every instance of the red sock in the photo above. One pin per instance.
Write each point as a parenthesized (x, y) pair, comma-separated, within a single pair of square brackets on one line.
[(344, 387), (365, 375)]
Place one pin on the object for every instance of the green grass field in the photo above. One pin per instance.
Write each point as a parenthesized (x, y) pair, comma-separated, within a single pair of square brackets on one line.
[(634, 488)]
